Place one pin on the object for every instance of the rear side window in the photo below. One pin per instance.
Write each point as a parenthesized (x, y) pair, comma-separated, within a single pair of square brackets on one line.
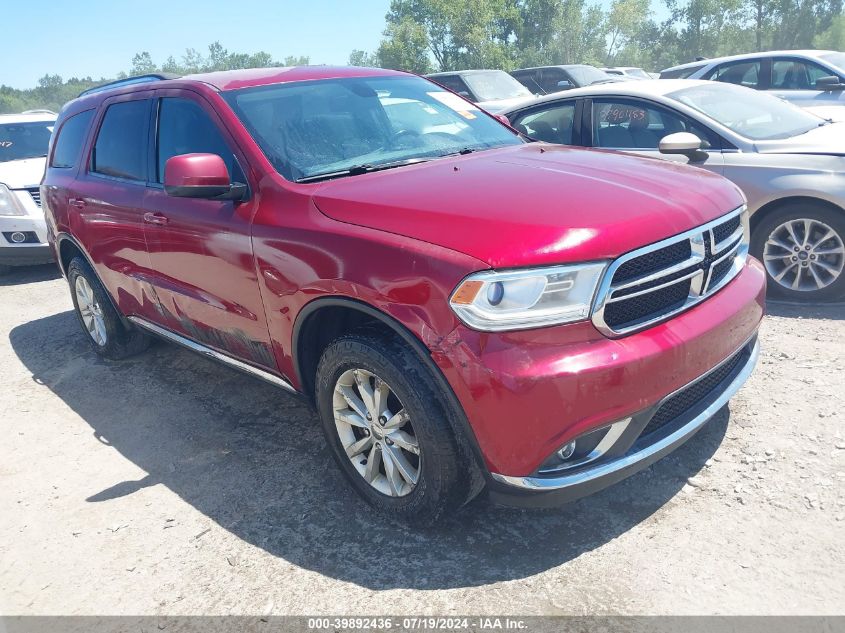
[(185, 128), (741, 73), (681, 73), (121, 147), (70, 139)]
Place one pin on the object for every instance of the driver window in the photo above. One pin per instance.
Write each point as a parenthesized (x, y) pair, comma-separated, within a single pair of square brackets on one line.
[(185, 128), (796, 74), (634, 125), (553, 124)]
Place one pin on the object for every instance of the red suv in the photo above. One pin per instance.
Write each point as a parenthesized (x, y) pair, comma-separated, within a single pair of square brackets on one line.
[(465, 308)]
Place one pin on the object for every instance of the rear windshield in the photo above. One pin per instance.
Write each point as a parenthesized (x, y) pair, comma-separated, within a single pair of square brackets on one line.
[(495, 85), (311, 128), (24, 140), (587, 75)]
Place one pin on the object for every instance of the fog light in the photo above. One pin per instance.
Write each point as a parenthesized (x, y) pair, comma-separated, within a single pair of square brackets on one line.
[(17, 237), (567, 451)]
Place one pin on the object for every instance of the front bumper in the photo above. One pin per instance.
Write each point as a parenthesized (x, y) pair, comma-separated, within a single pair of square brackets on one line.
[(527, 394), (568, 486), (25, 254)]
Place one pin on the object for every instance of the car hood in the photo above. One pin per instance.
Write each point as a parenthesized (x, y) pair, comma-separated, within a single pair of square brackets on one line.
[(533, 204), (826, 139), (17, 174)]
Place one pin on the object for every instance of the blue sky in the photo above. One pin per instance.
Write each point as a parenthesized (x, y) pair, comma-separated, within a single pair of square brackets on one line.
[(99, 37)]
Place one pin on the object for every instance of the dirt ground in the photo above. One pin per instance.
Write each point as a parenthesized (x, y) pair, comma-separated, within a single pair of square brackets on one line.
[(167, 484)]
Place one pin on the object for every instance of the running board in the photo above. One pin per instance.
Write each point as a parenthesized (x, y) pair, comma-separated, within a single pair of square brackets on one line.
[(213, 354)]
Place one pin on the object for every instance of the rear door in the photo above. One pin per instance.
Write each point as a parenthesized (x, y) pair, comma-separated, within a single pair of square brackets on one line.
[(201, 250), (105, 203)]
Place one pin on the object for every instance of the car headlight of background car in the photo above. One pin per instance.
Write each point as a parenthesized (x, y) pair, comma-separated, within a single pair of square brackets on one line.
[(519, 299), (9, 203)]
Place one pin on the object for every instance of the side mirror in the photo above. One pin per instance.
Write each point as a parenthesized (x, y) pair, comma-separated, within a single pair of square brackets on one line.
[(564, 85), (503, 119), (681, 143), (200, 176), (829, 83)]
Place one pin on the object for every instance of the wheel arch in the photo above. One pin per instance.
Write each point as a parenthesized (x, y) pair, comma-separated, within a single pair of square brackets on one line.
[(308, 343), (773, 206), (68, 248)]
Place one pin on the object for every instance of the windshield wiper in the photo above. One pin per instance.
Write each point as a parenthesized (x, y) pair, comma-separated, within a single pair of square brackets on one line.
[(461, 152), (357, 170)]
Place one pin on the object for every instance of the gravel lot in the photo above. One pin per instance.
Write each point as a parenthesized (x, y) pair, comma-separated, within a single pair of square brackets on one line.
[(167, 484)]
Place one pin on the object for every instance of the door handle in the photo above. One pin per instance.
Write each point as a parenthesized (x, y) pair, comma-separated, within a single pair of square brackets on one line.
[(77, 203), (155, 218)]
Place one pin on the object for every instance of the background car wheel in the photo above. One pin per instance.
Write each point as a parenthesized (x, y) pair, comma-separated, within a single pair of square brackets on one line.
[(387, 423), (802, 246), (103, 326)]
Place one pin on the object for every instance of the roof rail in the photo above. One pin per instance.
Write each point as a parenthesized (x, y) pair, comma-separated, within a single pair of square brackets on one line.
[(39, 111), (138, 79)]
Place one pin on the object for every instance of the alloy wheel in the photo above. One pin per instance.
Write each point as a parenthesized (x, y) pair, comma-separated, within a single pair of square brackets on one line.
[(376, 433), (90, 311), (804, 255)]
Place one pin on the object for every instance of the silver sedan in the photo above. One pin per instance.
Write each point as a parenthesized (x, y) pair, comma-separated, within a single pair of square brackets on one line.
[(789, 163)]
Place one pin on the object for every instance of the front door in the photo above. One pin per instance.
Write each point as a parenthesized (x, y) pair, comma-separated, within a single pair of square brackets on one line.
[(200, 249), (638, 126)]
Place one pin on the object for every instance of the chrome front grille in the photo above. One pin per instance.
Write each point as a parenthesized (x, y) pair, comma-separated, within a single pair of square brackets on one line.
[(654, 283), (35, 192)]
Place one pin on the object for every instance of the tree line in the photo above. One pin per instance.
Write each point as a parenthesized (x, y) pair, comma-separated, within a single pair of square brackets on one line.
[(431, 35), (52, 91)]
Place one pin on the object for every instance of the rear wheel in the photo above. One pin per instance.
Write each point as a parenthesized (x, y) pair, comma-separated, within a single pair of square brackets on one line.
[(802, 247), (102, 324), (387, 423)]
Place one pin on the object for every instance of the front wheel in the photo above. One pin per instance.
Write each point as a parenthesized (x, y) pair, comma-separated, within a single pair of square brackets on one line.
[(802, 247), (387, 423)]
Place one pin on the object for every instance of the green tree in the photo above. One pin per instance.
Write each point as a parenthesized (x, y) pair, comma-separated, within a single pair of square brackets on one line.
[(142, 64), (362, 58), (833, 37), (405, 47)]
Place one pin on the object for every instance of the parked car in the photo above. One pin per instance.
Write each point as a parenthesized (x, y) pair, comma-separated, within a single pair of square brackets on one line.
[(23, 147), (627, 72), (788, 162), (457, 322), (810, 79), (545, 80), (489, 89)]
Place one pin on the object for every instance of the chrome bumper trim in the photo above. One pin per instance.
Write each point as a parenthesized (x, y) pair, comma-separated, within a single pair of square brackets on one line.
[(672, 440)]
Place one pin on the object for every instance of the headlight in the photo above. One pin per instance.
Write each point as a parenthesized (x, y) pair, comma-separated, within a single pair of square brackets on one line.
[(9, 203), (521, 299)]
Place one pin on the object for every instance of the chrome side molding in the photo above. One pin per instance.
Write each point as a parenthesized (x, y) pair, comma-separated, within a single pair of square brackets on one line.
[(212, 353)]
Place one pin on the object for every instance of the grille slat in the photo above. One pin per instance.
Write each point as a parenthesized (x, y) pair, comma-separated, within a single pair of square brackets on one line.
[(35, 192), (641, 291), (692, 395)]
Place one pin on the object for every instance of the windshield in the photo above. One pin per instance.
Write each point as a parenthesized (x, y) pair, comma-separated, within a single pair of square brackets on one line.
[(309, 128), (24, 140), (835, 59), (754, 115), (495, 85), (639, 72), (586, 75)]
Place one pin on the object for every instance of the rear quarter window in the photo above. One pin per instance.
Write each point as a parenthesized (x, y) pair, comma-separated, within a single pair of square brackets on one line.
[(69, 141)]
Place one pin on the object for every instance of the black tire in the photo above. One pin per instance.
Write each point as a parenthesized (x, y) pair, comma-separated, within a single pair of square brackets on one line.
[(817, 212), (121, 341), (448, 476)]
